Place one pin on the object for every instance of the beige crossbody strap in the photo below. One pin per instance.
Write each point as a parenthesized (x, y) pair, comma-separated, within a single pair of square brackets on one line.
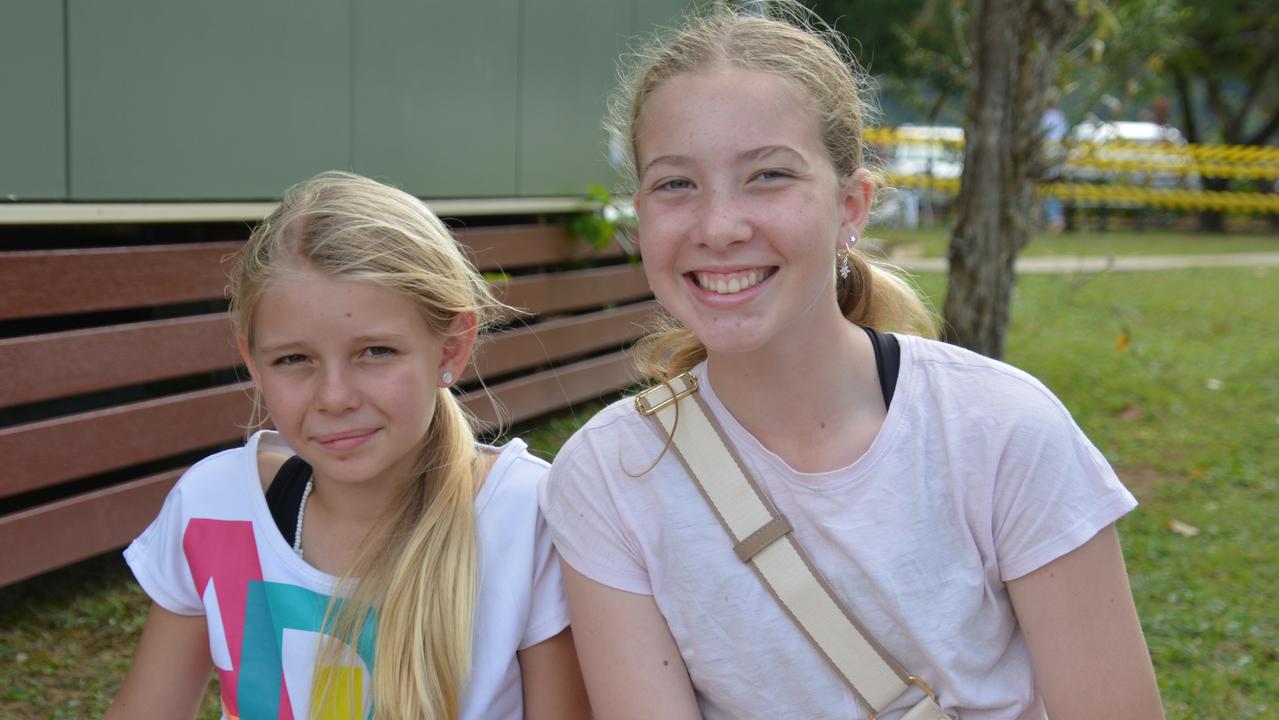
[(763, 539)]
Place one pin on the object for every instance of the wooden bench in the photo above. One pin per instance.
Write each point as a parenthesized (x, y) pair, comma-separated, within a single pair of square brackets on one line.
[(118, 369)]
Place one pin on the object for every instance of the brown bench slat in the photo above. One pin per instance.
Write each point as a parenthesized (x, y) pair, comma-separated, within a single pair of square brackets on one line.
[(49, 452), (41, 367), (548, 390), (79, 527), (515, 246), (52, 365), (561, 338), (56, 282), (547, 293)]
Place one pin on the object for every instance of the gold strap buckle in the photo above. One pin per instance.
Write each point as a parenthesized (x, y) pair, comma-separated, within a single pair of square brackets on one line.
[(670, 391), (912, 680), (919, 683)]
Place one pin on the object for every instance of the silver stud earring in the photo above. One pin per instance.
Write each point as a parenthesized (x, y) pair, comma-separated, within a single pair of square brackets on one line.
[(447, 377)]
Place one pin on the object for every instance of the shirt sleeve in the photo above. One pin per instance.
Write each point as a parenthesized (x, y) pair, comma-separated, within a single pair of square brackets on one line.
[(586, 523), (158, 562), (548, 610), (1053, 490)]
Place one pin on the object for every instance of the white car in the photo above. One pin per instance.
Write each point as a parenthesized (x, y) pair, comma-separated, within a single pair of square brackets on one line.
[(1145, 154), (919, 155), (933, 150)]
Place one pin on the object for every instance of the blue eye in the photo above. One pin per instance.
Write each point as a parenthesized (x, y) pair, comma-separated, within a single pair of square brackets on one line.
[(674, 184), (773, 174), (289, 360), (379, 351)]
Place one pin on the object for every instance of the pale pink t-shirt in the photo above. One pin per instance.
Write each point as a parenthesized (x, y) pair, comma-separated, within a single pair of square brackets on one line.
[(978, 476)]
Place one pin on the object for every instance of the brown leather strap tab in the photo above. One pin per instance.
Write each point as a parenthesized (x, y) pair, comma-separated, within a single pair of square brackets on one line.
[(772, 531)]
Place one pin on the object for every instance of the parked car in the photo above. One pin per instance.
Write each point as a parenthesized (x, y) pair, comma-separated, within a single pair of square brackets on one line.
[(921, 154), (1145, 154), (933, 150)]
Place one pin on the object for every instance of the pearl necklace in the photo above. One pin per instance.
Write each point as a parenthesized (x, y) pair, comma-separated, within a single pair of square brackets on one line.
[(297, 534)]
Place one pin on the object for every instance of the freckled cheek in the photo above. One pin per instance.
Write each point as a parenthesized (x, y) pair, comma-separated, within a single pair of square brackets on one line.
[(410, 386), (286, 406)]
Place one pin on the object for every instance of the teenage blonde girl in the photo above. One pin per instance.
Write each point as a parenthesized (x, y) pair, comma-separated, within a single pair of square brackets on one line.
[(367, 557), (953, 504)]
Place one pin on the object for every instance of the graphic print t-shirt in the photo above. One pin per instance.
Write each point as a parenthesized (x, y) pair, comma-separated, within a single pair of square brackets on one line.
[(215, 551)]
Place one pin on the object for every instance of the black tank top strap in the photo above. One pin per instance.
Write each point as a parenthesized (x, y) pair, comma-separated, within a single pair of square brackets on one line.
[(284, 495), (888, 356)]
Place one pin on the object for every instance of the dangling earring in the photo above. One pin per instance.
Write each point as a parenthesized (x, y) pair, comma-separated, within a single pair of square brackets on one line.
[(844, 266), (447, 377)]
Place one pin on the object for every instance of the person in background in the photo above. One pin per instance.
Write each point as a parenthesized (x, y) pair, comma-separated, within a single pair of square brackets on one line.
[(1053, 128)]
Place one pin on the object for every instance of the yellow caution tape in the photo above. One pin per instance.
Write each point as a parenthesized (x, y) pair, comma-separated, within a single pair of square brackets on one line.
[(1115, 195), (1244, 162)]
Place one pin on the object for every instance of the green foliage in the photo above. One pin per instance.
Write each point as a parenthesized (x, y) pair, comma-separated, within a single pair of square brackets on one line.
[(600, 227), (1223, 59), (1217, 58), (911, 44), (1117, 64)]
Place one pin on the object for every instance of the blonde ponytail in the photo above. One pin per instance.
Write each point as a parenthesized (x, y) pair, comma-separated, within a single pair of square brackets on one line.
[(424, 593), (877, 295)]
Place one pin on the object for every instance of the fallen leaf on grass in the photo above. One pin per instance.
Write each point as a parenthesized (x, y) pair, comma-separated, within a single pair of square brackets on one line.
[(1182, 528), (1130, 413), (1123, 341)]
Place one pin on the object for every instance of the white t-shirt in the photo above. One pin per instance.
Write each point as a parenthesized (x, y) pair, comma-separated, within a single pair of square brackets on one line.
[(1054, 125), (978, 476), (215, 551)]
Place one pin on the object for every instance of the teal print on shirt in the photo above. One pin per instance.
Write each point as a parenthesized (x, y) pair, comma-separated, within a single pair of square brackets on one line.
[(271, 609)]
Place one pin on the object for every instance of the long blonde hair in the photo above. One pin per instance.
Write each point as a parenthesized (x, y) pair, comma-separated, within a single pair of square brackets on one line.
[(789, 41), (416, 569)]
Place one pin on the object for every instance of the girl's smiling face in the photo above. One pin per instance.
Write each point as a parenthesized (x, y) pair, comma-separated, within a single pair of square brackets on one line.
[(741, 209), (349, 372)]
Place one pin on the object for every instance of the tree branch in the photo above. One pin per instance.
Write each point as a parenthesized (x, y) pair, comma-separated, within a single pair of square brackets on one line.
[(1182, 83), (1259, 80), (1262, 136), (1229, 122)]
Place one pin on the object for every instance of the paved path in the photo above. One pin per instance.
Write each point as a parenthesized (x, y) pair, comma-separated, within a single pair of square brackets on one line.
[(1083, 264)]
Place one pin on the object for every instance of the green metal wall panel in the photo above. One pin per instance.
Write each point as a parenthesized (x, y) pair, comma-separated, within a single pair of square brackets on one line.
[(32, 97), (206, 101), (236, 100), (568, 54), (435, 95), (649, 15)]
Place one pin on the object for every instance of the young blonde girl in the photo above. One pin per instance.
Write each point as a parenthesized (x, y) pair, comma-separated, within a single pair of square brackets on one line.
[(951, 502), (367, 557)]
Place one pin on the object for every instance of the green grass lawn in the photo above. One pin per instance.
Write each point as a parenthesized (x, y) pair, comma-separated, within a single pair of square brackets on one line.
[(933, 242), (1173, 374)]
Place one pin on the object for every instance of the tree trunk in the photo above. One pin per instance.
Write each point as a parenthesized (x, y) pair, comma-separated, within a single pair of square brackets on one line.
[(1015, 48), (1213, 221)]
